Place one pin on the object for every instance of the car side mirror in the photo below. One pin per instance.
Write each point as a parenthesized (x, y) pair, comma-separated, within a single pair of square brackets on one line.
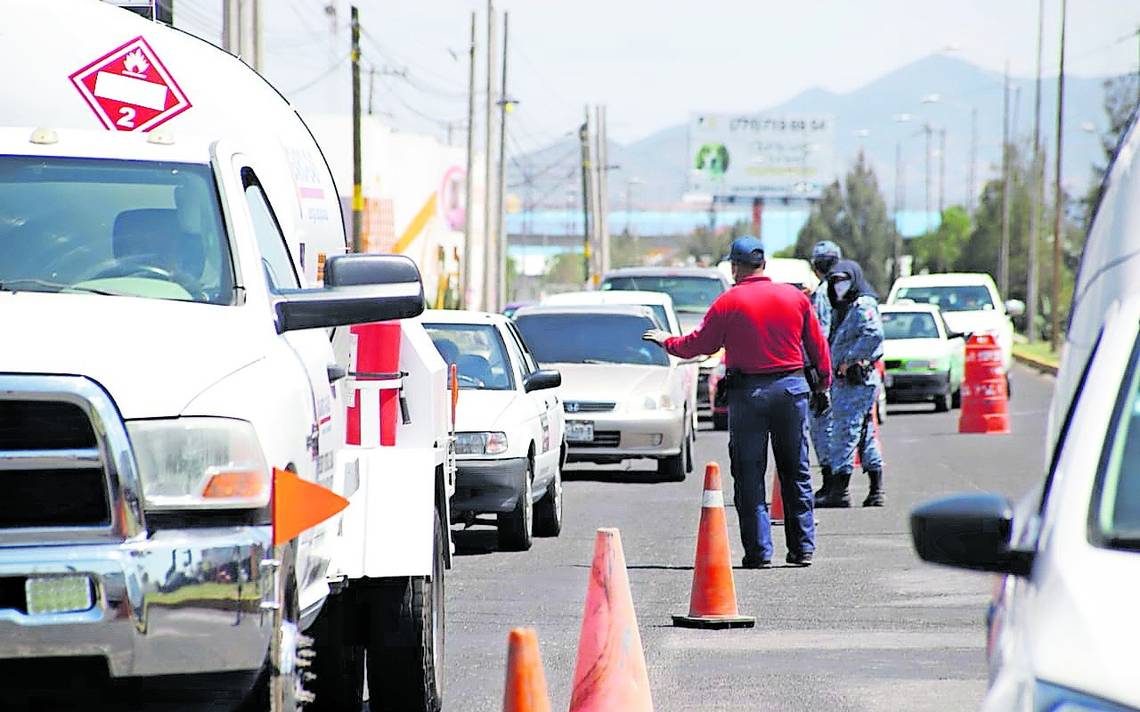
[(969, 531), (1015, 307), (541, 380), (359, 289), (963, 335)]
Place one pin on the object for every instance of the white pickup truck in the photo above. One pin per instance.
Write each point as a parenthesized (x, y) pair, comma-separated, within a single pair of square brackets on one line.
[(165, 217)]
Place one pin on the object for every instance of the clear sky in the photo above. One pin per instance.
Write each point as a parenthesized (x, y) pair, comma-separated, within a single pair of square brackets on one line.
[(653, 61)]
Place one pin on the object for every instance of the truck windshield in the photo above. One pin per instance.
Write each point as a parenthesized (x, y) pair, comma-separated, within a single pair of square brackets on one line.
[(591, 338), (950, 298), (124, 228)]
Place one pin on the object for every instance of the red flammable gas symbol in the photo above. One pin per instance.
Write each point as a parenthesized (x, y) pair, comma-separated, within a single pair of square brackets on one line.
[(129, 89)]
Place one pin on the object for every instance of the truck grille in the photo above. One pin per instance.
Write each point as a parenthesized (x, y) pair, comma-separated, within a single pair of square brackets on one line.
[(589, 406), (51, 466)]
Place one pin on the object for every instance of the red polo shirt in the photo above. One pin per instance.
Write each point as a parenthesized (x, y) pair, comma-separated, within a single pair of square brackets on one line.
[(763, 326)]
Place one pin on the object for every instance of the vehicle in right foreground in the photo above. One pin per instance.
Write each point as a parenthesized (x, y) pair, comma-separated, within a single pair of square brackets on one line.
[(923, 357), (1062, 622), (624, 397)]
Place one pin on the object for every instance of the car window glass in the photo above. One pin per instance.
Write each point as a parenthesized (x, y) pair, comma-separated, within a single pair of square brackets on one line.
[(909, 325), (1063, 433), (514, 352), (275, 259), (478, 352), (1114, 515), (690, 294), (529, 365), (949, 298), (591, 338)]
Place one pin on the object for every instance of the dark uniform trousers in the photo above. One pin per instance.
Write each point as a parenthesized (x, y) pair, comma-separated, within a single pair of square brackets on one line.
[(775, 406)]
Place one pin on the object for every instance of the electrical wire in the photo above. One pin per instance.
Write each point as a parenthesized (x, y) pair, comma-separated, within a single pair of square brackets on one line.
[(320, 77)]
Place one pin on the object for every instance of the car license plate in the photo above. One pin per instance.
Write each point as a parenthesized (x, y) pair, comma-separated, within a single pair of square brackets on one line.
[(579, 432), (58, 594)]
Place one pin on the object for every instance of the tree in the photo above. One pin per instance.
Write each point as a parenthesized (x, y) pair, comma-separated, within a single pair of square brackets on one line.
[(939, 251), (855, 218)]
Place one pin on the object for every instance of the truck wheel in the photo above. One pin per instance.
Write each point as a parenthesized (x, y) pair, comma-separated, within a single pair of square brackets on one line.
[(339, 665), (405, 649), (516, 528), (548, 511), (720, 421)]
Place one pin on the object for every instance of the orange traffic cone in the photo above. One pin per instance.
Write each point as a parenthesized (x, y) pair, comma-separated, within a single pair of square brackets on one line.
[(712, 601), (526, 682), (985, 401), (610, 672), (776, 510)]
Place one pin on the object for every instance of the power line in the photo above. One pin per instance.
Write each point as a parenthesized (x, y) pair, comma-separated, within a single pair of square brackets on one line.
[(388, 55), (320, 77)]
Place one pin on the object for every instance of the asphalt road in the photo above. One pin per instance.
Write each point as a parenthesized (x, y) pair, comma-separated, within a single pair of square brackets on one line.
[(868, 627)]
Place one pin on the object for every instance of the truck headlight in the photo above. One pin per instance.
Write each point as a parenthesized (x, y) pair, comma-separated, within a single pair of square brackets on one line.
[(200, 463), (480, 443)]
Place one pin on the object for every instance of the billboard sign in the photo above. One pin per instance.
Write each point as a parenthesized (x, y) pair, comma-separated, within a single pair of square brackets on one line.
[(761, 155)]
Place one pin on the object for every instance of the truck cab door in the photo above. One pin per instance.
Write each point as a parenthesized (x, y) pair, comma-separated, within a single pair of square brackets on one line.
[(319, 426)]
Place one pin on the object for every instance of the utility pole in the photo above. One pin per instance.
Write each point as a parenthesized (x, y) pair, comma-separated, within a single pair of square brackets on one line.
[(357, 178), (603, 207), (231, 26), (584, 138), (489, 278), (1038, 198), (1058, 207), (501, 216), (971, 174), (258, 53), (1003, 253), (896, 264), (928, 130), (941, 173), (469, 180)]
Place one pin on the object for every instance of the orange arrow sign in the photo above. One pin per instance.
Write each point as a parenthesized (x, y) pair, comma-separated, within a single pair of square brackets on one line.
[(299, 504)]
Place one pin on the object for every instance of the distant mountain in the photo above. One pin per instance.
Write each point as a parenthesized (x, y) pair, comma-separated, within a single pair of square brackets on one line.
[(659, 161)]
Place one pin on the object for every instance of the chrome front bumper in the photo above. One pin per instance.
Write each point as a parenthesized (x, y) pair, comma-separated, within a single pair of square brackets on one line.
[(636, 435), (179, 602)]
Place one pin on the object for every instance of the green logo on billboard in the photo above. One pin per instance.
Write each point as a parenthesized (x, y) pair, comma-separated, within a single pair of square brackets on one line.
[(712, 158)]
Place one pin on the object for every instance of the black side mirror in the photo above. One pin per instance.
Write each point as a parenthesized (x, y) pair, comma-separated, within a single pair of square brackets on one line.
[(542, 380), (969, 531), (359, 289)]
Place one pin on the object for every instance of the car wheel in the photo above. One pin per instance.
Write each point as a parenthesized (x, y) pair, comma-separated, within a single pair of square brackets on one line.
[(1008, 388), (690, 438), (673, 467), (720, 421), (942, 402), (956, 399), (516, 527), (405, 648), (548, 511)]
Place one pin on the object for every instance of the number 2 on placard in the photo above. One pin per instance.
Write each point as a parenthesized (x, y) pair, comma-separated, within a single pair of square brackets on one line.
[(126, 118)]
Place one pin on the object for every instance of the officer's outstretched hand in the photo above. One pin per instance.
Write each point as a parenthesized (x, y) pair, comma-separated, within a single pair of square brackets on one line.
[(657, 336)]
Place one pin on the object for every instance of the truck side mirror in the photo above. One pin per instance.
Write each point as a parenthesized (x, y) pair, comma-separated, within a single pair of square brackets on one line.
[(359, 289), (969, 531)]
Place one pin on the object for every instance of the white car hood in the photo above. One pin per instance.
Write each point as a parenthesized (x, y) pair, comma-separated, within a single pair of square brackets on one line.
[(611, 382), (482, 411), (153, 356), (913, 348)]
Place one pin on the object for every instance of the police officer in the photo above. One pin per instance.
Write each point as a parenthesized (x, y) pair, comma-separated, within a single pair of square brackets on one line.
[(856, 344), (765, 329), (824, 256)]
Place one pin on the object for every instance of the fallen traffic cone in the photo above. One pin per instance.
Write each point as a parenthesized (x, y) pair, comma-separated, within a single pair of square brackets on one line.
[(526, 682), (776, 510), (712, 601), (610, 672), (985, 402)]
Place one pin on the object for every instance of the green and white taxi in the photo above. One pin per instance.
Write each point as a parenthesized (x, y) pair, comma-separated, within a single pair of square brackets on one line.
[(923, 357)]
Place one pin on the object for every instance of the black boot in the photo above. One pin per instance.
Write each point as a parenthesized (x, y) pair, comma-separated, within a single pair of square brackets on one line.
[(837, 496), (822, 492), (876, 497)]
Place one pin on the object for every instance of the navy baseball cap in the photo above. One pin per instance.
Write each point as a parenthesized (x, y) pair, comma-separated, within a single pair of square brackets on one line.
[(747, 250)]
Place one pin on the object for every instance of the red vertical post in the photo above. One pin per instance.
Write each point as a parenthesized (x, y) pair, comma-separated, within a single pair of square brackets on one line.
[(757, 216)]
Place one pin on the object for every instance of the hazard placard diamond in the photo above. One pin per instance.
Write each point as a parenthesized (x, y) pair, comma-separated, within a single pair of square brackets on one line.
[(130, 89)]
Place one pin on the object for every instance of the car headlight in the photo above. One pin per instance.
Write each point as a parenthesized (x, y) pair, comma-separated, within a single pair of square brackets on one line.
[(480, 443), (1054, 698), (200, 463), (661, 401)]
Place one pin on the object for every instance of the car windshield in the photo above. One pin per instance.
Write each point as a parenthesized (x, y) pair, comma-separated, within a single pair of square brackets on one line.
[(478, 353), (124, 228), (1114, 518), (690, 294), (591, 338), (909, 325), (949, 298)]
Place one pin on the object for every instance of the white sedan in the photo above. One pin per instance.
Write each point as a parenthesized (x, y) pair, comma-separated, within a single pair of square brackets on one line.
[(625, 398), (509, 426)]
